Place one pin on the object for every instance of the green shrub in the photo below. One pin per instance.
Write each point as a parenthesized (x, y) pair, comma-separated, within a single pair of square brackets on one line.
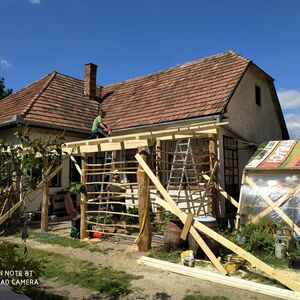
[(11, 261)]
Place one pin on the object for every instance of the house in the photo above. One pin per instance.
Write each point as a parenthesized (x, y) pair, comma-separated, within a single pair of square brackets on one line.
[(223, 88)]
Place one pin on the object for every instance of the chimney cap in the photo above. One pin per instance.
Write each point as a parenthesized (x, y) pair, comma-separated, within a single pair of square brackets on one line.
[(90, 64)]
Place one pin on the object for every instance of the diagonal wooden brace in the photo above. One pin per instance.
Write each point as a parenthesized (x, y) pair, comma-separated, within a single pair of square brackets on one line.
[(170, 204)]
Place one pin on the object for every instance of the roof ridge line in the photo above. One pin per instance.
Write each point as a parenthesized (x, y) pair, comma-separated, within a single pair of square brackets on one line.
[(29, 106), (231, 52)]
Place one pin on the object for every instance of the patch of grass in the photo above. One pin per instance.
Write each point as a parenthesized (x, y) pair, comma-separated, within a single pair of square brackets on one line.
[(199, 296), (84, 274), (50, 238), (256, 277), (278, 263), (163, 253)]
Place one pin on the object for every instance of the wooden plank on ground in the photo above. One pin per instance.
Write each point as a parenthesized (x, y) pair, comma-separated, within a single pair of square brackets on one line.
[(170, 204), (187, 226), (220, 279)]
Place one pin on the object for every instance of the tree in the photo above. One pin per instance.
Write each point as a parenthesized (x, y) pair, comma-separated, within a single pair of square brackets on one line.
[(3, 92), (26, 166)]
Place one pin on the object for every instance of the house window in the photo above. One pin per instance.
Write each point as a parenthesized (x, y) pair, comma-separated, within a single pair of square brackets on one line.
[(231, 172), (257, 95)]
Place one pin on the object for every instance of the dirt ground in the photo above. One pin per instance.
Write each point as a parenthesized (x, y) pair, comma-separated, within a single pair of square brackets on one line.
[(155, 284)]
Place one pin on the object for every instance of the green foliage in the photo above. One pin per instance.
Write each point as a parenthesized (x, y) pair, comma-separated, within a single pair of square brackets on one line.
[(3, 92), (25, 162), (48, 238), (130, 219), (77, 187), (105, 280), (258, 236), (163, 253), (11, 259)]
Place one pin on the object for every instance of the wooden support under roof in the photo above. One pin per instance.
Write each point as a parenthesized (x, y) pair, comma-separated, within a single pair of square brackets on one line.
[(142, 139)]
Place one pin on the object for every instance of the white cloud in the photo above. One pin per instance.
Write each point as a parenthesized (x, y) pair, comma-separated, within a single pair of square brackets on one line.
[(5, 64), (289, 99), (293, 125), (35, 1)]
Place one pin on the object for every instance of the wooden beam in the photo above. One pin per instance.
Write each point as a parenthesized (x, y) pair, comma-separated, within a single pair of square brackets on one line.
[(76, 164), (145, 235), (266, 197), (195, 234), (181, 130), (222, 192), (213, 158), (3, 207), (10, 212), (45, 203), (278, 203), (159, 209), (208, 186), (187, 225), (285, 280), (232, 282), (83, 199), (171, 205)]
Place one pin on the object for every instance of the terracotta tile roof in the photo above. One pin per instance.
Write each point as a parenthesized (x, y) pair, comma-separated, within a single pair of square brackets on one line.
[(195, 89), (55, 100)]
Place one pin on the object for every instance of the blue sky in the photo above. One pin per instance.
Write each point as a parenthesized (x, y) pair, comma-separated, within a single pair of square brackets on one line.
[(127, 39)]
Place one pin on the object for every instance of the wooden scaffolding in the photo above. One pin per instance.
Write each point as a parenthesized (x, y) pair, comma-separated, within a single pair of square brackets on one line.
[(96, 202)]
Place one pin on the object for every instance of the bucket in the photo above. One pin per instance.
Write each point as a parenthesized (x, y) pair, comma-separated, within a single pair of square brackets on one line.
[(172, 234), (214, 246), (280, 248)]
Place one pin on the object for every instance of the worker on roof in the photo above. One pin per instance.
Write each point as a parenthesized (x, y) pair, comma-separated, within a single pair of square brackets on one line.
[(99, 129)]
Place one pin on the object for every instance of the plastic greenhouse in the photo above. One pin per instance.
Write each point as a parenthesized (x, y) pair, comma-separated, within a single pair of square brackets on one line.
[(271, 185)]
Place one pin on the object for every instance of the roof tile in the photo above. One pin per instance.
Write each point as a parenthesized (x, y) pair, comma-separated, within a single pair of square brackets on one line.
[(191, 90)]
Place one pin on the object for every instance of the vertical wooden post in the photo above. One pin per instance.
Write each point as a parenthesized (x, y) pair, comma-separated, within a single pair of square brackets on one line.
[(145, 236), (83, 199), (212, 148), (159, 212), (45, 201)]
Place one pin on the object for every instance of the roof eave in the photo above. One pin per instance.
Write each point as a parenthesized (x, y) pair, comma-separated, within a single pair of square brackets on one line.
[(216, 117)]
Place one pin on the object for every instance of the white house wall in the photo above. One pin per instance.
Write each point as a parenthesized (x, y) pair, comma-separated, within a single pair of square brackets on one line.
[(254, 123)]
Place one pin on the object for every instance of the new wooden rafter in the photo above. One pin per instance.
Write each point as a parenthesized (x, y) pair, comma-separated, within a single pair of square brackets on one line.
[(135, 140)]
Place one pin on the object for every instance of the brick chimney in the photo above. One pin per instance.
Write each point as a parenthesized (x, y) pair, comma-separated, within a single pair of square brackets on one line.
[(90, 77)]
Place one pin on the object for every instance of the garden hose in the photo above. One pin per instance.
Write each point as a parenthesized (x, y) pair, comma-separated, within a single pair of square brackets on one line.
[(145, 212)]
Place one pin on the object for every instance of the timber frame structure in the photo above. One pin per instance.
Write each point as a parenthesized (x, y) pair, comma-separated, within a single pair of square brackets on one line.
[(141, 142)]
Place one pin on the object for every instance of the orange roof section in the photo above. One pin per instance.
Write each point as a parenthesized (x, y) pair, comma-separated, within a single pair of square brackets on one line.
[(196, 89)]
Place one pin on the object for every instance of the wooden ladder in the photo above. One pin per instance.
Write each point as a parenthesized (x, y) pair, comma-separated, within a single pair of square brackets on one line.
[(183, 176), (105, 179)]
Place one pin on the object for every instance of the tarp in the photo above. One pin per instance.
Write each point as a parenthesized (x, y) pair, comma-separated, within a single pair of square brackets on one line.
[(276, 155)]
